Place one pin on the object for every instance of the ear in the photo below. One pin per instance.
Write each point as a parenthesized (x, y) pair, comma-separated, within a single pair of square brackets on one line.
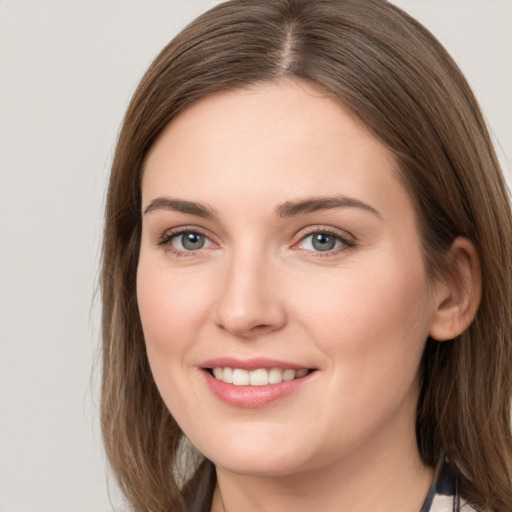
[(457, 295)]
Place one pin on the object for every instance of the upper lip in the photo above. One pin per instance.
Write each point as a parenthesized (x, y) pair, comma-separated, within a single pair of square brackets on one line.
[(251, 364)]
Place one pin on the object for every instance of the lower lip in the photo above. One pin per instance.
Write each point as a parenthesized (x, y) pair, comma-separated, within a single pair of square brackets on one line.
[(253, 397)]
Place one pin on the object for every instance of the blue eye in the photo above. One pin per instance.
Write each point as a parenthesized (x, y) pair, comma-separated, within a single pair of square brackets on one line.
[(322, 241), (189, 241)]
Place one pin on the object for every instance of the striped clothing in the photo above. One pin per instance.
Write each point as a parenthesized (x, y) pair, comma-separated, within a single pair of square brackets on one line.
[(444, 495)]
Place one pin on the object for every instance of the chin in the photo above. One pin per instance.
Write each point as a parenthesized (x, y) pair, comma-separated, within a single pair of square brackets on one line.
[(253, 456), (253, 465)]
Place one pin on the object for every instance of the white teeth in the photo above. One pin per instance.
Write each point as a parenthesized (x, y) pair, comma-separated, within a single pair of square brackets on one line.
[(275, 376), (289, 374), (227, 375), (259, 377), (240, 377)]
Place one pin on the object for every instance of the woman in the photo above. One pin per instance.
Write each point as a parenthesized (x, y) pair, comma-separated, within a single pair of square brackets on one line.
[(307, 271)]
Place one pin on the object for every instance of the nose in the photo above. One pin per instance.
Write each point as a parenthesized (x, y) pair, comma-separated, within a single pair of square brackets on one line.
[(250, 303)]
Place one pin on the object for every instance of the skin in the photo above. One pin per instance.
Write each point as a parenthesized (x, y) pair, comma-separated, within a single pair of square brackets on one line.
[(359, 314)]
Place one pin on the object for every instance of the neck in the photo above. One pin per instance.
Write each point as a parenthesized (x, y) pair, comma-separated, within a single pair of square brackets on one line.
[(373, 478)]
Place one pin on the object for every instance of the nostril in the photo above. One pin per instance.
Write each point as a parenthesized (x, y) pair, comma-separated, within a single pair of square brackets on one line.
[(260, 327)]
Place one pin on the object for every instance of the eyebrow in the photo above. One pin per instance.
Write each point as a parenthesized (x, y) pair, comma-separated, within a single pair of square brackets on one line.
[(292, 208), (180, 205), (287, 209)]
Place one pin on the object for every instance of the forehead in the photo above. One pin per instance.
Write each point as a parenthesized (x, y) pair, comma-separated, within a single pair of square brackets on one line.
[(283, 140)]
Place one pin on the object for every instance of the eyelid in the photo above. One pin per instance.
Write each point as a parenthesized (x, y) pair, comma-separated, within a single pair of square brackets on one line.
[(165, 240), (348, 240)]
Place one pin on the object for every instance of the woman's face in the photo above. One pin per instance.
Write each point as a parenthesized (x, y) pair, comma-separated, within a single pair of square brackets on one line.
[(278, 241)]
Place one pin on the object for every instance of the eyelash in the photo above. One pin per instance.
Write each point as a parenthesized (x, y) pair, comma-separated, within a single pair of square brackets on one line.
[(166, 240), (346, 242)]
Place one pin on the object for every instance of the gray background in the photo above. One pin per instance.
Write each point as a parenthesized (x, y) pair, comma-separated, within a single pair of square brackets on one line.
[(67, 70)]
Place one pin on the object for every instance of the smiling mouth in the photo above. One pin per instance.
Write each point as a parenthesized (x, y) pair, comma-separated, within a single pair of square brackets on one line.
[(258, 377)]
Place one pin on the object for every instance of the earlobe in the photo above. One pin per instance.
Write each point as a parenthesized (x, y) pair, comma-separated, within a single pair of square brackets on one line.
[(458, 295)]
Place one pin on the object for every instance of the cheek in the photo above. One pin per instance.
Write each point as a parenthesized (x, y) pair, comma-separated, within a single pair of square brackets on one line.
[(373, 331), (372, 324), (170, 305), (170, 308)]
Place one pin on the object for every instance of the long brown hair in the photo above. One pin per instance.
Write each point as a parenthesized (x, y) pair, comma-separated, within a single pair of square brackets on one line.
[(396, 77)]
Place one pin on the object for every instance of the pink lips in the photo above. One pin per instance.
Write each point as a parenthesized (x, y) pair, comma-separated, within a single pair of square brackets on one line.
[(252, 397), (250, 364)]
